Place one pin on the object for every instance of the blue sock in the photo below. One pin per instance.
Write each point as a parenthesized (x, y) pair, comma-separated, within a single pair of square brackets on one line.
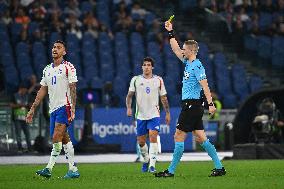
[(179, 147), (211, 150)]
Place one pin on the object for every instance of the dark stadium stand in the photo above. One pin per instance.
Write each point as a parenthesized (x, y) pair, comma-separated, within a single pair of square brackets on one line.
[(112, 50)]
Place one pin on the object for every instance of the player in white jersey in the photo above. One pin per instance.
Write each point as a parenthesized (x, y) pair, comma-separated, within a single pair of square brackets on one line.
[(59, 81), (148, 88)]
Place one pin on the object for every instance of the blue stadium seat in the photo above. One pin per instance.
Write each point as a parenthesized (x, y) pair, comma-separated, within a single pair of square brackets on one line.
[(89, 58), (170, 85), (25, 71), (219, 58), (32, 27), (203, 49), (149, 18), (264, 46), (81, 84), (38, 60), (255, 83), (74, 58), (265, 19), (54, 36), (72, 43), (106, 72), (7, 60), (86, 6), (11, 79), (6, 48), (3, 7), (15, 31), (120, 86), (23, 59), (39, 70), (230, 101), (277, 51), (239, 81), (250, 42), (22, 47), (136, 38), (3, 27), (102, 8), (224, 84), (136, 16), (96, 83), (38, 48), (4, 36), (174, 100), (184, 5)]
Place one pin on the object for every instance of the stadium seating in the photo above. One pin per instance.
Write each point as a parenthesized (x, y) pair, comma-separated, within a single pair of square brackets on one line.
[(255, 83), (106, 59)]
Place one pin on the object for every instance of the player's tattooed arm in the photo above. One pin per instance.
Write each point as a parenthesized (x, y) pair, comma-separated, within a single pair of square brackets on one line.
[(129, 102), (73, 95), (40, 95), (165, 103), (166, 106), (129, 99)]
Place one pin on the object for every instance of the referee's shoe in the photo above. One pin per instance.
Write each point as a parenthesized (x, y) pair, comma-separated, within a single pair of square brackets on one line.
[(218, 172), (165, 173)]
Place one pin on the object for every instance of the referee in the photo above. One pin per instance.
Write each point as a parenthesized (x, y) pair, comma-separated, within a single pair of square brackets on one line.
[(190, 118)]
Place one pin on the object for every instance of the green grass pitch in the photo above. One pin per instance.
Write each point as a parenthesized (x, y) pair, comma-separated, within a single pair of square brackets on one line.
[(250, 174)]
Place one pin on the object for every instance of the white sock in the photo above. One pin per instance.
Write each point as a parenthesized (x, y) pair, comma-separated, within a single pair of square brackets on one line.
[(69, 154), (159, 144), (153, 152), (144, 153), (56, 149)]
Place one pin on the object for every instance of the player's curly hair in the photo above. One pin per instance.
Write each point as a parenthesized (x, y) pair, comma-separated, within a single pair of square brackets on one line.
[(148, 59), (192, 43)]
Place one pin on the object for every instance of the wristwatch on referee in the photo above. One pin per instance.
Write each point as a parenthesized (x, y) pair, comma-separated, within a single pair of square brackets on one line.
[(211, 104)]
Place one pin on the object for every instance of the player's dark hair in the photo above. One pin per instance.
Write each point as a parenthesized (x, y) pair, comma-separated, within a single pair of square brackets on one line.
[(61, 42), (148, 59), (192, 43)]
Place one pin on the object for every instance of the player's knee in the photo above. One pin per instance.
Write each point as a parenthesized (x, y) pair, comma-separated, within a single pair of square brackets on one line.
[(141, 143), (153, 137), (200, 140), (65, 139), (57, 137), (178, 137)]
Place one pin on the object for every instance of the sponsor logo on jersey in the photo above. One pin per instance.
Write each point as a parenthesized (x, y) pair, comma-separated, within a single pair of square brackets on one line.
[(186, 75)]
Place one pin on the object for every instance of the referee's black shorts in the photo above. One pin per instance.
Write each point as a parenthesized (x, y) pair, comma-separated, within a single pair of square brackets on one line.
[(190, 117)]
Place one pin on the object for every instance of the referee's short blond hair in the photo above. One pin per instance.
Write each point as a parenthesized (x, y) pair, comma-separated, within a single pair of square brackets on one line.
[(192, 43)]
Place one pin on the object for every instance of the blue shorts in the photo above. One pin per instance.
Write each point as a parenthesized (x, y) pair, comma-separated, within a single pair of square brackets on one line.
[(143, 126), (60, 115)]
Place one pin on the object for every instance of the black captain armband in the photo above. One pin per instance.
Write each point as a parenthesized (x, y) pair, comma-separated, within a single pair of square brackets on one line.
[(171, 34)]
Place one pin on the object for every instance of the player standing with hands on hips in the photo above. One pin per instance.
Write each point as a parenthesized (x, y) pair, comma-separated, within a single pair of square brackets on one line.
[(59, 81), (148, 88), (190, 118)]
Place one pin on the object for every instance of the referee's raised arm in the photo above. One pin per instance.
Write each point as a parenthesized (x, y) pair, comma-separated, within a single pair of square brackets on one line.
[(174, 44)]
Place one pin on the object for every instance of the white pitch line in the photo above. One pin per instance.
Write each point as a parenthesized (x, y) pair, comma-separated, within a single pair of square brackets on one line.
[(106, 158)]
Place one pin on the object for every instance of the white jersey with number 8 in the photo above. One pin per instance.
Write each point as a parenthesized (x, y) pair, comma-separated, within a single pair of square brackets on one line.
[(147, 92)]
